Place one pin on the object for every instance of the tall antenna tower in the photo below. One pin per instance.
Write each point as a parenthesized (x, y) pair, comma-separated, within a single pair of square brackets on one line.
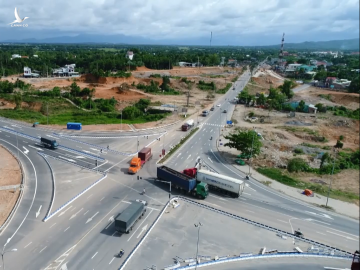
[(210, 39), (281, 53)]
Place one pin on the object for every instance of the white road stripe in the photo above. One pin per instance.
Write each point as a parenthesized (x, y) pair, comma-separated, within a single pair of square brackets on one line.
[(94, 255)]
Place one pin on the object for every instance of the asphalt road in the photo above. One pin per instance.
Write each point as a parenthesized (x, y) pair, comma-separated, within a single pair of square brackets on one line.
[(71, 233), (318, 224)]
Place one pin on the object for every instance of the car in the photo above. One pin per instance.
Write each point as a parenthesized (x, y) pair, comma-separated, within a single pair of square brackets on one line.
[(212, 108), (224, 111), (218, 105)]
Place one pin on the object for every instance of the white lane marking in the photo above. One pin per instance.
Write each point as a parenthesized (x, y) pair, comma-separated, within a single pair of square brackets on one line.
[(94, 149), (53, 225), (38, 212), (89, 196), (90, 219), (114, 233), (33, 199), (321, 233), (283, 221), (102, 199), (248, 186), (28, 245), (74, 215), (343, 232), (246, 193), (142, 230), (68, 159), (63, 212), (310, 219), (349, 238), (107, 227), (221, 199), (140, 225), (42, 249), (86, 212), (94, 255), (39, 149), (250, 211), (126, 202), (189, 156), (66, 229), (243, 199), (111, 260), (26, 150)]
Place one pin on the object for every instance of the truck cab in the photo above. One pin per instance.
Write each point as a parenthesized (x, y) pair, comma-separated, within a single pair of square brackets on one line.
[(135, 165), (202, 190), (137, 162)]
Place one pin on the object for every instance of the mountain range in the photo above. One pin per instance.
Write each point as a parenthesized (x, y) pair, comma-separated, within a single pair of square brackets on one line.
[(346, 44)]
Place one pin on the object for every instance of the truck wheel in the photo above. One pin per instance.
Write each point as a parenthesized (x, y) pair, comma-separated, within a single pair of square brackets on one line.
[(199, 196)]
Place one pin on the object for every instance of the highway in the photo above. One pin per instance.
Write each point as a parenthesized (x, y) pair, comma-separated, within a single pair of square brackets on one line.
[(265, 204), (82, 233)]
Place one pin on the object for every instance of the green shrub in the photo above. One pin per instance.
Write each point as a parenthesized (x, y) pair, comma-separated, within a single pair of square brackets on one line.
[(299, 151), (297, 164)]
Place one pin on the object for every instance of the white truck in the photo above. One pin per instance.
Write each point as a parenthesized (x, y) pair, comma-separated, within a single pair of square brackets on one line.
[(187, 125), (222, 183)]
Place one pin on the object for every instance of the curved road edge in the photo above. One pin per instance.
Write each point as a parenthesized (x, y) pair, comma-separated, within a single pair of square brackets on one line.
[(13, 211)]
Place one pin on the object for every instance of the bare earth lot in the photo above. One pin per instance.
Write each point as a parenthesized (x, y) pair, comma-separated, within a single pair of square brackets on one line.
[(125, 92), (10, 174)]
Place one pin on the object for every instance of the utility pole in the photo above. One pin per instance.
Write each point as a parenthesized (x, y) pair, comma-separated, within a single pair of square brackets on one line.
[(252, 145), (197, 246), (332, 173), (47, 112)]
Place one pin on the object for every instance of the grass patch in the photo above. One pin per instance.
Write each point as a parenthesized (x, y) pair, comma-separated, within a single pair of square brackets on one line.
[(280, 176), (235, 79), (225, 89), (326, 147), (176, 147), (266, 183)]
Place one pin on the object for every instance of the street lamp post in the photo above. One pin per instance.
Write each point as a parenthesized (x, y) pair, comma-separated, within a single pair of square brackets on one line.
[(3, 252), (252, 145), (198, 225), (121, 120), (332, 173)]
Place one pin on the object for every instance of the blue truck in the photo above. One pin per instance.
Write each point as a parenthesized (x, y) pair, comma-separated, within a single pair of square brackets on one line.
[(52, 144), (183, 182)]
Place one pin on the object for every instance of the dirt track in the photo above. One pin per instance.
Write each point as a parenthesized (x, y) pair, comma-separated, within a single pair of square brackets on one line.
[(10, 174)]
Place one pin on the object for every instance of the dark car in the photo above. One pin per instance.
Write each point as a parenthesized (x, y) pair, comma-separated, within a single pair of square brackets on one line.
[(212, 108), (224, 111)]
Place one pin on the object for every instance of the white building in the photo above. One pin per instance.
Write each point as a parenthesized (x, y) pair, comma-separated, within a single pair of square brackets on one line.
[(29, 74), (292, 67), (130, 55), (15, 56), (67, 70)]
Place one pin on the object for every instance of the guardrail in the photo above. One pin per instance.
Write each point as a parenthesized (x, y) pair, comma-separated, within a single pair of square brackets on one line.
[(265, 256), (8, 219), (264, 226), (74, 198), (80, 152), (72, 163), (144, 236), (21, 134), (94, 145), (106, 137)]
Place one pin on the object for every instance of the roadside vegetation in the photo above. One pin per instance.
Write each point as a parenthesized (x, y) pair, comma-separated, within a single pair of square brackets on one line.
[(52, 107)]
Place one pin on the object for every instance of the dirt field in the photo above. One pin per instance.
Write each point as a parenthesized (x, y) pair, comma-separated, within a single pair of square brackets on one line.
[(263, 80), (10, 174), (124, 91), (331, 98)]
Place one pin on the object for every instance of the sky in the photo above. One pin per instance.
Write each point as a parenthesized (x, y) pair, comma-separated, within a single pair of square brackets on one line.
[(232, 22)]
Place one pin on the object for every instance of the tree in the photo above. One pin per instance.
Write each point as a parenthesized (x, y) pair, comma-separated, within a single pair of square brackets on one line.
[(286, 88), (75, 89), (301, 106), (297, 164), (320, 75), (261, 100), (248, 142), (302, 61), (354, 86)]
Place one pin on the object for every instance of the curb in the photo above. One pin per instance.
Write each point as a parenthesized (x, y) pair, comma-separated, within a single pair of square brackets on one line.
[(268, 256), (10, 216), (53, 181)]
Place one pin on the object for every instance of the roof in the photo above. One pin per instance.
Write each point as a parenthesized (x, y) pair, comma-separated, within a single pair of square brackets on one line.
[(130, 53)]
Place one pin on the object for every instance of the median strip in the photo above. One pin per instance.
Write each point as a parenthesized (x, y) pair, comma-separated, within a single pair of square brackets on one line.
[(176, 147)]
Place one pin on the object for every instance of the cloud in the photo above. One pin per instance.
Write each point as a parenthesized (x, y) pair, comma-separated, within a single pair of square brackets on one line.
[(160, 19)]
